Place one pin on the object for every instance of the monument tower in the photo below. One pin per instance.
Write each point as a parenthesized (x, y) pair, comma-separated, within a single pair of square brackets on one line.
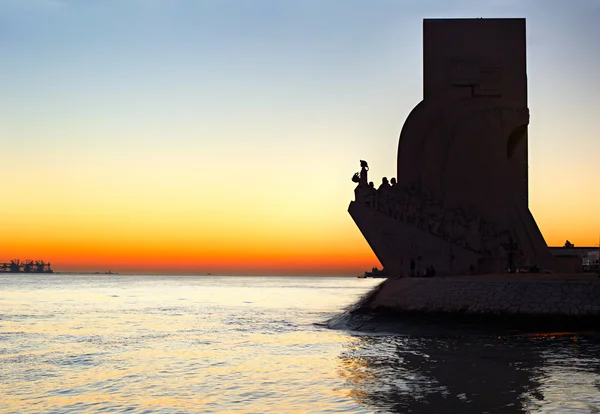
[(460, 200)]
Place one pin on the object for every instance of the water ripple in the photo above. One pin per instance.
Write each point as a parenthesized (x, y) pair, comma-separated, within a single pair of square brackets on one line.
[(209, 344)]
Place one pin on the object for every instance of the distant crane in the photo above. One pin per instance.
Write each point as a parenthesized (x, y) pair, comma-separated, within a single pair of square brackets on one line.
[(27, 266)]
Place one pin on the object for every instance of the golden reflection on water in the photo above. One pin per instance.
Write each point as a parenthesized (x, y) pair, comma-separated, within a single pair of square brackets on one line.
[(183, 345)]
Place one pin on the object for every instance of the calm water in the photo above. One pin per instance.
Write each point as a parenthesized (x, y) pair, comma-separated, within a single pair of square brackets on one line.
[(81, 343)]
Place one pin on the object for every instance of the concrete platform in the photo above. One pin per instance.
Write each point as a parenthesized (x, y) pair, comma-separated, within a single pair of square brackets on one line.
[(513, 294)]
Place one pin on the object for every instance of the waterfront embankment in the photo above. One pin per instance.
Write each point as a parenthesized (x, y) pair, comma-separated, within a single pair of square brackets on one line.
[(527, 300)]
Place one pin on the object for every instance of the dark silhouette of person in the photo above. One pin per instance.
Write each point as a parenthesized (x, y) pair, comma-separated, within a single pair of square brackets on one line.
[(384, 193), (371, 195), (363, 192), (364, 168), (412, 268), (393, 181), (385, 185)]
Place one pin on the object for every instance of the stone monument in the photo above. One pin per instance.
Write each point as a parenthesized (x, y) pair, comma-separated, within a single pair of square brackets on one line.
[(461, 192)]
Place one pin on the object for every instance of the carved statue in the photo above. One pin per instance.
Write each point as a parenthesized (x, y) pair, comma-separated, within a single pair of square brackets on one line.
[(361, 178), (362, 192), (364, 167)]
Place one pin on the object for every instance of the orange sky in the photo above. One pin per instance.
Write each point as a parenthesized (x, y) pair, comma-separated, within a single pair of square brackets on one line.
[(257, 242)]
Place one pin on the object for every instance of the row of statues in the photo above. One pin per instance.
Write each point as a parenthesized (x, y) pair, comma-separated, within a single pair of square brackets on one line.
[(418, 208)]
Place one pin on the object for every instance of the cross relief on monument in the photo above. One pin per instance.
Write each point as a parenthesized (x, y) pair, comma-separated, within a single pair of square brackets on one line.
[(484, 77)]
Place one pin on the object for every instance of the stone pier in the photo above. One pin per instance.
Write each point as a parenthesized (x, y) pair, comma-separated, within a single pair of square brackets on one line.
[(541, 295), (523, 302)]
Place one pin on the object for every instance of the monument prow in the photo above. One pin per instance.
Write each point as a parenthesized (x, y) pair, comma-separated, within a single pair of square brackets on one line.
[(459, 203)]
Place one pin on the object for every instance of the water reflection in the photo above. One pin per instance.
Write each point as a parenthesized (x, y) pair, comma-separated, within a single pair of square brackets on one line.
[(474, 373), (72, 343)]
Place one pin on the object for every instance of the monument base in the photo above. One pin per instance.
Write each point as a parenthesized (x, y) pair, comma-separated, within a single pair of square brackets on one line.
[(516, 294), (529, 301)]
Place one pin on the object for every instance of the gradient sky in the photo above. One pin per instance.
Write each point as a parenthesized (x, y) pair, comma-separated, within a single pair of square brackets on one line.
[(220, 136)]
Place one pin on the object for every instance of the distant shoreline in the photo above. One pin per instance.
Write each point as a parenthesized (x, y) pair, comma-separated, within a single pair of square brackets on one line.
[(196, 274)]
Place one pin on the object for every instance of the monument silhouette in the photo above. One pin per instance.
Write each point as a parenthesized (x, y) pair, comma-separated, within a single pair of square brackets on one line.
[(460, 196)]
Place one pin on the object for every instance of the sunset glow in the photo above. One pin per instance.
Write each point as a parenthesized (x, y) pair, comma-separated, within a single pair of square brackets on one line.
[(195, 137)]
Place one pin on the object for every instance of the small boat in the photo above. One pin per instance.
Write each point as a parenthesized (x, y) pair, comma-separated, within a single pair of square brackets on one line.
[(375, 273)]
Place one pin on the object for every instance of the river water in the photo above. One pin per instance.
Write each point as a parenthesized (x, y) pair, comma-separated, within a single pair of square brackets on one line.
[(195, 344)]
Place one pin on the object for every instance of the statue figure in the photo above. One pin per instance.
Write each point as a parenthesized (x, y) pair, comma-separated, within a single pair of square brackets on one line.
[(401, 198), (362, 192), (371, 195), (385, 185), (383, 193), (361, 177), (511, 248), (364, 167)]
